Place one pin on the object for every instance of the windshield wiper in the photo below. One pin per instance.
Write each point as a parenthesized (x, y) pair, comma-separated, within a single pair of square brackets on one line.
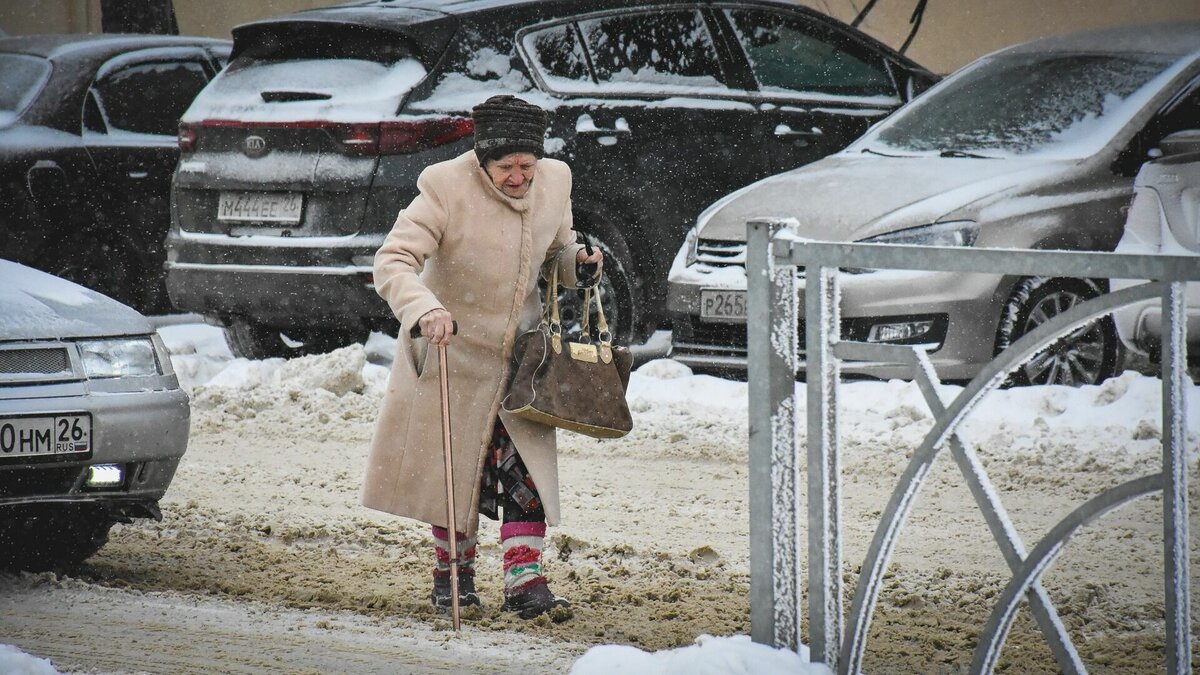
[(881, 154), (950, 152)]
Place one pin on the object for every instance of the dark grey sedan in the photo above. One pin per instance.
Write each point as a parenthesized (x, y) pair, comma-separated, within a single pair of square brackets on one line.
[(87, 149), (92, 420)]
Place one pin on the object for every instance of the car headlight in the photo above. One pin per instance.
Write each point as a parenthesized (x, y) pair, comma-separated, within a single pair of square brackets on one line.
[(119, 357), (957, 233), (691, 243)]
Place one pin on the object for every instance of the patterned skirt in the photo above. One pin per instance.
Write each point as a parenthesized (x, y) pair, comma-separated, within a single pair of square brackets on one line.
[(505, 479)]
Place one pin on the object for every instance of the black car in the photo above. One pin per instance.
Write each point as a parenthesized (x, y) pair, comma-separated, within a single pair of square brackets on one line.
[(87, 149), (299, 155)]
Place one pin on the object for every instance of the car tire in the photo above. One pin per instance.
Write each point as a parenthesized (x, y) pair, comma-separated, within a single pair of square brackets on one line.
[(251, 340), (1088, 355), (55, 538), (616, 296)]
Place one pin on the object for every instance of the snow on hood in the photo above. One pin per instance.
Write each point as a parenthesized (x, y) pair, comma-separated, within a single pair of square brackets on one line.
[(36, 305), (847, 197)]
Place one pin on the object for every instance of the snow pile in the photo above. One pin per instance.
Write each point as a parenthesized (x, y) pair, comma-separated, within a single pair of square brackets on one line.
[(710, 655), (13, 661)]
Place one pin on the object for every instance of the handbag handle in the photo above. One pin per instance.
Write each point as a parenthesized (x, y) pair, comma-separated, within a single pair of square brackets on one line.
[(553, 320)]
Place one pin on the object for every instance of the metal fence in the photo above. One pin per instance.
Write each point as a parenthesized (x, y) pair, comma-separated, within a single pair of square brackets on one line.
[(838, 638)]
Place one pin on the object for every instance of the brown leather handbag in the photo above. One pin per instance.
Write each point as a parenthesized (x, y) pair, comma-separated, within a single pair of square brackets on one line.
[(579, 386)]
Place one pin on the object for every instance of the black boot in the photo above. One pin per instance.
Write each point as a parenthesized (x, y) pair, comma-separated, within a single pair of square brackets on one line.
[(466, 591), (535, 601)]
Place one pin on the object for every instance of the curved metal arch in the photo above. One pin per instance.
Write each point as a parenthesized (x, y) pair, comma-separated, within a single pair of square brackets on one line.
[(995, 631), (866, 591)]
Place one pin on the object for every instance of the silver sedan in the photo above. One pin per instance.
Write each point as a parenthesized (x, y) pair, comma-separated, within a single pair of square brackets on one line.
[(1035, 146), (93, 422)]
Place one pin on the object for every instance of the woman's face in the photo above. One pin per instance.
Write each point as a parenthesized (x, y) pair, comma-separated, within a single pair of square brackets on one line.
[(512, 174)]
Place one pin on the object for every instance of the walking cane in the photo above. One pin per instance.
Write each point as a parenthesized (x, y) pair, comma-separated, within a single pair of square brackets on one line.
[(446, 451)]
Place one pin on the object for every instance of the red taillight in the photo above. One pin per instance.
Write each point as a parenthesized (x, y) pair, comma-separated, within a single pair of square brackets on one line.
[(398, 138), (356, 139), (186, 137), (362, 139)]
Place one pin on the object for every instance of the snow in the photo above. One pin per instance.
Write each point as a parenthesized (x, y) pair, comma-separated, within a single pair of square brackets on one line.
[(665, 392), (710, 655), (359, 91), (13, 661)]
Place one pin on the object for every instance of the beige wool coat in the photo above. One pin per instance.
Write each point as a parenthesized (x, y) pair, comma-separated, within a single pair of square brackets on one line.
[(465, 246)]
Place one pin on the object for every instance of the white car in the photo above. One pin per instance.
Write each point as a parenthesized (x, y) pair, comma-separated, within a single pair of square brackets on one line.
[(1164, 219), (93, 422)]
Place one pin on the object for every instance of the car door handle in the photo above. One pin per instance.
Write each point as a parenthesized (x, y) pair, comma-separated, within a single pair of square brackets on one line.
[(783, 131), (587, 126), (138, 174)]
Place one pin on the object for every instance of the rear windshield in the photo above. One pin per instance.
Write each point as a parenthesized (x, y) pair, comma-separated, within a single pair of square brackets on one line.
[(335, 73), (21, 78), (316, 41)]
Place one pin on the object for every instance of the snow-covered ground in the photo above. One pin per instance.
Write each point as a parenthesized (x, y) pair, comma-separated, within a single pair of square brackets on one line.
[(265, 561)]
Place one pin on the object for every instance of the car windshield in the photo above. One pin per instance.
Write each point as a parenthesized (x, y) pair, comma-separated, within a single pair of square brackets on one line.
[(21, 78), (1064, 105)]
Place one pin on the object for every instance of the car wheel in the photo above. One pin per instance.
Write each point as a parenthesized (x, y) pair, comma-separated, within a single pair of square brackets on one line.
[(250, 340), (1087, 355), (52, 538), (615, 296)]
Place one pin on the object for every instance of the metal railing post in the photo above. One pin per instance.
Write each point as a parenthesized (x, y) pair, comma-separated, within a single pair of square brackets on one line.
[(822, 330), (771, 362), (1175, 480)]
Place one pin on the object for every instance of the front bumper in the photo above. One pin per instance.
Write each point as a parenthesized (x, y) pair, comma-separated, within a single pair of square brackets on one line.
[(964, 311), (144, 432), (1140, 325), (276, 280)]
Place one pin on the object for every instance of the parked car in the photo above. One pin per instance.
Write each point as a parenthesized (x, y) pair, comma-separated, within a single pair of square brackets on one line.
[(1034, 146), (1163, 220), (298, 156), (92, 420), (87, 149)]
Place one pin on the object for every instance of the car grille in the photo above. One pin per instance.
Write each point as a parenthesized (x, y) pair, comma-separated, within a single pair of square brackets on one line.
[(38, 482), (716, 253), (34, 363)]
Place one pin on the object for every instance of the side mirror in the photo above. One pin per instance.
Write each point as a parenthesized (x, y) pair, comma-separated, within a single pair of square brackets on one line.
[(1178, 143)]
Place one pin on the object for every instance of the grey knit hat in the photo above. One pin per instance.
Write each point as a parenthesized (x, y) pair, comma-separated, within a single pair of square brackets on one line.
[(507, 124)]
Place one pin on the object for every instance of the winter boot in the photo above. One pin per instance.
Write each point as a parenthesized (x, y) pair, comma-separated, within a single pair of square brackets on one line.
[(525, 589), (441, 573)]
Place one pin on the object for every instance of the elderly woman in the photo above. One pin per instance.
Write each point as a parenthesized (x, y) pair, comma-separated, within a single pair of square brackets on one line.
[(469, 249)]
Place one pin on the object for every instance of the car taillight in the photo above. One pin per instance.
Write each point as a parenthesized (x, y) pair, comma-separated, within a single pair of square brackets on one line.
[(361, 139), (186, 137), (400, 138)]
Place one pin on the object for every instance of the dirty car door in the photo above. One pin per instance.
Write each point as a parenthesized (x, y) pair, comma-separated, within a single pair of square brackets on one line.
[(131, 119), (820, 87)]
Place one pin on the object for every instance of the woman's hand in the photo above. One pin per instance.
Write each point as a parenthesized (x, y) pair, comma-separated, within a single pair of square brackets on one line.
[(437, 326), (595, 258)]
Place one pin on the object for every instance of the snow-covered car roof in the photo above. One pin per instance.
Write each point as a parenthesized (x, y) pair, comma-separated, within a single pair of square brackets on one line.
[(39, 306)]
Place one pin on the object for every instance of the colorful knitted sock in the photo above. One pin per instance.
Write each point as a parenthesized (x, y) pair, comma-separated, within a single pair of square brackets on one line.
[(466, 553), (522, 543)]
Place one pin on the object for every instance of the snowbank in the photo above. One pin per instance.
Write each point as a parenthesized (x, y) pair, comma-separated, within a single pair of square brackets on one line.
[(13, 661)]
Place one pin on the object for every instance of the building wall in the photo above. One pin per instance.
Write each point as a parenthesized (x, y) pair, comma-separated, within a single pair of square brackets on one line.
[(952, 34)]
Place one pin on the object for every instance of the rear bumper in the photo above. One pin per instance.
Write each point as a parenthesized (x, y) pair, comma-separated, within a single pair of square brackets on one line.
[(314, 281)]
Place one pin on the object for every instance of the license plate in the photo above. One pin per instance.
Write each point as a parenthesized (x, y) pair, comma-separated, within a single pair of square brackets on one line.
[(722, 305), (45, 435), (260, 207)]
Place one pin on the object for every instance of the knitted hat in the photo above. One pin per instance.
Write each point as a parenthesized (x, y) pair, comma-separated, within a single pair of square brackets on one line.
[(506, 124)]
